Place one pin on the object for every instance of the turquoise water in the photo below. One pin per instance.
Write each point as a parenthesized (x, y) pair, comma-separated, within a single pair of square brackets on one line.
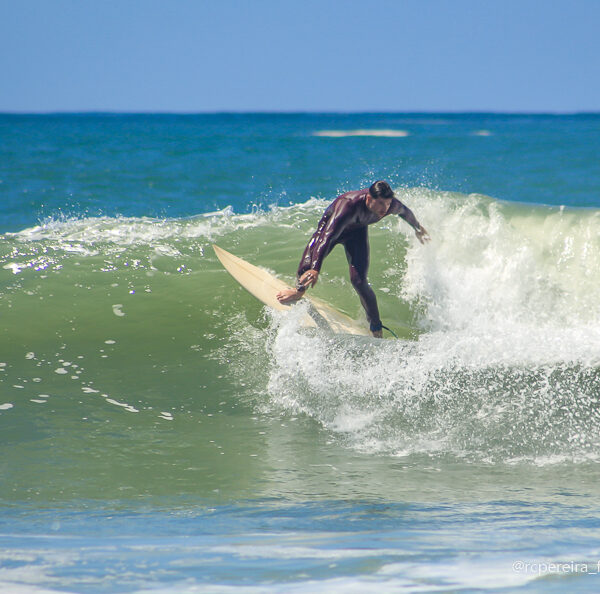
[(162, 432)]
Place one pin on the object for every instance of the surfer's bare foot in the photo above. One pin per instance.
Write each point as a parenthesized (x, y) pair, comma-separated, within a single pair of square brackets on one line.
[(289, 296), (377, 333)]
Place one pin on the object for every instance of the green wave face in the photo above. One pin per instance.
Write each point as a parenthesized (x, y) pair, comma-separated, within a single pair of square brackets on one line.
[(132, 365)]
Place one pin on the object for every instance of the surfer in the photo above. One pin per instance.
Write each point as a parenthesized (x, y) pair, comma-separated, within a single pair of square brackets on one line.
[(345, 221)]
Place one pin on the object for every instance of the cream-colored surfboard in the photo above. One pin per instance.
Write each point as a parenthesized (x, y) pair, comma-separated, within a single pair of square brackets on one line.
[(264, 286)]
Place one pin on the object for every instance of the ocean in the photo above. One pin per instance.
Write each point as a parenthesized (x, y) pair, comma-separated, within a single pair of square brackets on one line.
[(162, 431)]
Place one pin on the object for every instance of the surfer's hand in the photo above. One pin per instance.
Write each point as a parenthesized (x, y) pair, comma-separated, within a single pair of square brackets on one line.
[(422, 235), (289, 296), (309, 278)]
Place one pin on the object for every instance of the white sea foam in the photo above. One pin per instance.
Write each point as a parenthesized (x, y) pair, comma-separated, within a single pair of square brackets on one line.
[(172, 246), (508, 301), (15, 267), (79, 235), (117, 310)]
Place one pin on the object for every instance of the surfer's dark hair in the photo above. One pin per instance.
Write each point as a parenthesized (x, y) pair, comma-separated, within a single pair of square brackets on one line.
[(381, 189)]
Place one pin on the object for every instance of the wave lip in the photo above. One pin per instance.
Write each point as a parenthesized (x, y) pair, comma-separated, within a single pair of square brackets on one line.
[(362, 132)]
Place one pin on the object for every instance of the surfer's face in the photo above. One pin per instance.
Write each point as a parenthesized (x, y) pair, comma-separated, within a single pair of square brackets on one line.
[(379, 206)]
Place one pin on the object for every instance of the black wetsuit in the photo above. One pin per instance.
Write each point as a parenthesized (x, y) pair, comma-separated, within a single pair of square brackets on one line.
[(345, 221)]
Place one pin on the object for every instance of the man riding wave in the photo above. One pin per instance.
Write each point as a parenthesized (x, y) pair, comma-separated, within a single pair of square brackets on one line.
[(345, 221)]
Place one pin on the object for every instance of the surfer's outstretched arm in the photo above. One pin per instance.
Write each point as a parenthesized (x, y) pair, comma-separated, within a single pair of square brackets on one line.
[(407, 214)]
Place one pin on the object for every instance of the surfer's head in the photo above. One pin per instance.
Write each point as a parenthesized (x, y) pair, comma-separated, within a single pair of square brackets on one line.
[(379, 198), (381, 189)]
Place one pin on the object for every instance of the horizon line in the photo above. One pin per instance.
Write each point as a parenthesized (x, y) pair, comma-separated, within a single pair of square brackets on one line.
[(294, 112)]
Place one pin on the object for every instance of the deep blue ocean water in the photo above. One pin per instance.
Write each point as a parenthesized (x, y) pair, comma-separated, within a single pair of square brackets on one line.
[(162, 432), (179, 166)]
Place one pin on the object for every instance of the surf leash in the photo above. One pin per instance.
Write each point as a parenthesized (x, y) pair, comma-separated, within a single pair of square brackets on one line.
[(374, 327), (390, 331)]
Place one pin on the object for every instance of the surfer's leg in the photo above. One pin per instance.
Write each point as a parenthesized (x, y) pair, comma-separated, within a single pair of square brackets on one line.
[(357, 254)]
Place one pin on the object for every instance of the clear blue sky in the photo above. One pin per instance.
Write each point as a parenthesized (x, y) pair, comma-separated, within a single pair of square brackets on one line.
[(301, 55)]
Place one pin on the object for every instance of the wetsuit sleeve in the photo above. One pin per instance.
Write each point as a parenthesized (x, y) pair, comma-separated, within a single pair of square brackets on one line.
[(406, 213), (330, 227)]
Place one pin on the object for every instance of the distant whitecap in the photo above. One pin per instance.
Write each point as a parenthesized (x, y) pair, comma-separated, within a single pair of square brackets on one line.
[(362, 132)]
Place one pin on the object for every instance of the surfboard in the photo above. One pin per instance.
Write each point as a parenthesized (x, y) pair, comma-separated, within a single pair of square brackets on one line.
[(264, 286)]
